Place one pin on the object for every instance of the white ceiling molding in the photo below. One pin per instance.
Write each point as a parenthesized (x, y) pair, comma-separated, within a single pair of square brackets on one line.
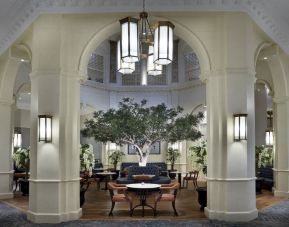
[(17, 15)]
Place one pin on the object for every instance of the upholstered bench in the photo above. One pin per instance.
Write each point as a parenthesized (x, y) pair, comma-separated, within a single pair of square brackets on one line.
[(161, 165), (146, 170)]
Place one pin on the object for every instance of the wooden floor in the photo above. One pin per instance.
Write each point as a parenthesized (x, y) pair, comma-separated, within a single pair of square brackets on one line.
[(98, 204)]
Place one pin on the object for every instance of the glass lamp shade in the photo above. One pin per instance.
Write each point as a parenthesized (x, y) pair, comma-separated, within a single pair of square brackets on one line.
[(163, 43), (45, 128), (123, 67), (17, 139), (269, 137), (129, 42), (240, 127), (152, 68)]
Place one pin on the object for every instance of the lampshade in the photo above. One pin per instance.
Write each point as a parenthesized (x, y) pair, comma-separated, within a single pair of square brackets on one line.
[(240, 127), (129, 41), (152, 68), (269, 137), (123, 67), (45, 128), (17, 141), (163, 43)]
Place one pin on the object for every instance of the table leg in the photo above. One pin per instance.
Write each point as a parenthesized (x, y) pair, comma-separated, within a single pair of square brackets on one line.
[(105, 188), (180, 179)]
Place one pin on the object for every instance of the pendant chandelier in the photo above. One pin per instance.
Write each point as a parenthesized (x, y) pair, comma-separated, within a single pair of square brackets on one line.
[(135, 42)]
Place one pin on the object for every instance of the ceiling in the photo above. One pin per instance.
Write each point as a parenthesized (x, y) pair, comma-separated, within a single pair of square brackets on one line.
[(16, 15)]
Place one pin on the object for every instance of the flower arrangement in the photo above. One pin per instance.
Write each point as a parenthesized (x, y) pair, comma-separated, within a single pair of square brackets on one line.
[(86, 157), (21, 158), (199, 156), (263, 156), (115, 157)]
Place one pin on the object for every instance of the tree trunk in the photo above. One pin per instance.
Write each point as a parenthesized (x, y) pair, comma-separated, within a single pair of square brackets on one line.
[(143, 154)]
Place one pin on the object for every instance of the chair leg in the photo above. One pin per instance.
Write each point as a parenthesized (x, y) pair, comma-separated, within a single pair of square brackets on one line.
[(155, 209), (112, 206), (184, 183), (130, 208), (174, 207)]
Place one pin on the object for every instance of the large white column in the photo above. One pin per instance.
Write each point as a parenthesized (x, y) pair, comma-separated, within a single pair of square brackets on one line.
[(54, 180), (231, 173), (6, 170), (281, 156)]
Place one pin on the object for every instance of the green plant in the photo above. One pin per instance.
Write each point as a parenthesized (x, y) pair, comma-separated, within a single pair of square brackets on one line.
[(172, 156), (139, 125), (263, 156), (199, 156), (86, 157), (22, 160), (115, 157)]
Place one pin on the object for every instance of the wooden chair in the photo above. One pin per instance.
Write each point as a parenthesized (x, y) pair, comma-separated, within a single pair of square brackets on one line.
[(168, 192), (115, 196), (191, 176)]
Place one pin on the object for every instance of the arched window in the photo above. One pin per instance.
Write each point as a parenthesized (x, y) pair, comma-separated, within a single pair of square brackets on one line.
[(192, 66), (95, 68)]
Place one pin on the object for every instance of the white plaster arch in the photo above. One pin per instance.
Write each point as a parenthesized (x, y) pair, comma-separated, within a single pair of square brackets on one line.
[(180, 30), (268, 85), (261, 46), (12, 64)]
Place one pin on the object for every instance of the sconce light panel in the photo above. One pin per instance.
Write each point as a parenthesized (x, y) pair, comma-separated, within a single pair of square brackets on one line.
[(17, 141), (269, 137), (45, 128), (240, 127)]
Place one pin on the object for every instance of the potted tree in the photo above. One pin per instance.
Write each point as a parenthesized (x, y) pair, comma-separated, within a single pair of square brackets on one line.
[(199, 156), (136, 124), (86, 164), (21, 158), (172, 156), (115, 157)]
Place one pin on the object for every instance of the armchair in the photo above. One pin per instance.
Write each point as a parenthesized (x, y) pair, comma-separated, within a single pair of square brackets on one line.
[(193, 176), (115, 196), (170, 197)]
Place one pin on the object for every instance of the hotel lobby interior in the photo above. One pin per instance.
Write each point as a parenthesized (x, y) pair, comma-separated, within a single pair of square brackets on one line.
[(79, 146)]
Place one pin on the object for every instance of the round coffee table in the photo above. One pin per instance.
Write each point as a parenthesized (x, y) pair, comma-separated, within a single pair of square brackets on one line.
[(142, 191)]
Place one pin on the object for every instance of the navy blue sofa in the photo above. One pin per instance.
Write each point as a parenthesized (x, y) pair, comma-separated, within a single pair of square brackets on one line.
[(267, 174), (138, 170), (163, 171)]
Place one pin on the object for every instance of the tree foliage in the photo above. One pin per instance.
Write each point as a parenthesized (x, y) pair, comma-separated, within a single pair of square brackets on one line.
[(140, 125)]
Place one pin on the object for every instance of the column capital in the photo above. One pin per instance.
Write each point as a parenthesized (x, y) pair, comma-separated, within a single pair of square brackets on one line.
[(281, 100), (6, 102), (58, 72), (229, 71)]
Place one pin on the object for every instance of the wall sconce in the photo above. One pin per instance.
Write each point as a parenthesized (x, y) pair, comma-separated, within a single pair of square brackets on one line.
[(240, 127), (269, 137), (45, 128), (17, 141), (269, 131)]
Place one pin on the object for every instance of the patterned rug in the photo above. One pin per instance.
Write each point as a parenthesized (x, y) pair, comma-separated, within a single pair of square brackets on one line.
[(277, 216)]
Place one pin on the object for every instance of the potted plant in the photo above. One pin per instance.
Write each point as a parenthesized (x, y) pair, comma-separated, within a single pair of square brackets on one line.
[(172, 156), (21, 158), (86, 159), (199, 156), (115, 157), (86, 164), (263, 157)]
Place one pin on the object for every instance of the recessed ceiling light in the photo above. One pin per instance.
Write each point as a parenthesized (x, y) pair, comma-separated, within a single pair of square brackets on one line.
[(22, 60), (265, 58)]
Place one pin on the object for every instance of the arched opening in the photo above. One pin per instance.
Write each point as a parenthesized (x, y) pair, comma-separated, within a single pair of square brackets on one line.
[(183, 88)]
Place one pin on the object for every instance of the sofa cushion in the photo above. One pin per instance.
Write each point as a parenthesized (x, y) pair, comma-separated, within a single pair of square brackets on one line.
[(162, 180)]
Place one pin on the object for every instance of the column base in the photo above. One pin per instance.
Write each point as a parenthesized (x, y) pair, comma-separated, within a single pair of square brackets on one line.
[(6, 195), (231, 216), (280, 193), (53, 217)]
